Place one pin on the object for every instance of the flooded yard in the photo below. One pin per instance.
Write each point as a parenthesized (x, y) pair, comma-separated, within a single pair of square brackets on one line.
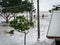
[(18, 38)]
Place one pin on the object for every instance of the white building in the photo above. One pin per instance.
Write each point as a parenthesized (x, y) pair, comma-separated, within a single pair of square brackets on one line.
[(54, 27)]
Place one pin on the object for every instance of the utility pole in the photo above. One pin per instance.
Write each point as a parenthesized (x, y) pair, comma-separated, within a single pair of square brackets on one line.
[(38, 19)]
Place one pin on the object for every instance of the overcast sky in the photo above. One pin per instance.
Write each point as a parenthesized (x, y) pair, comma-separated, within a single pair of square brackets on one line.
[(45, 5)]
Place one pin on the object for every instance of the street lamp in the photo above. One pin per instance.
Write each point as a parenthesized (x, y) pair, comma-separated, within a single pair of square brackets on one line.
[(38, 19)]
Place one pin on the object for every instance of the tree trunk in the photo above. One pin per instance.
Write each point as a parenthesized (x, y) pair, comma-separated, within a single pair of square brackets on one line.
[(25, 39), (14, 15), (30, 15), (27, 15), (7, 20)]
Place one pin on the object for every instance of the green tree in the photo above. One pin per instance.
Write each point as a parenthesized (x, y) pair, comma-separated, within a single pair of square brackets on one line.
[(16, 6), (21, 25)]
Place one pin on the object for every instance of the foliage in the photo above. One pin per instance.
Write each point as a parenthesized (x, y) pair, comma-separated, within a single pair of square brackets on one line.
[(21, 23), (16, 6)]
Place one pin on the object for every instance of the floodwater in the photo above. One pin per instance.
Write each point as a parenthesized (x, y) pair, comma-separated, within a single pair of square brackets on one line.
[(18, 37)]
